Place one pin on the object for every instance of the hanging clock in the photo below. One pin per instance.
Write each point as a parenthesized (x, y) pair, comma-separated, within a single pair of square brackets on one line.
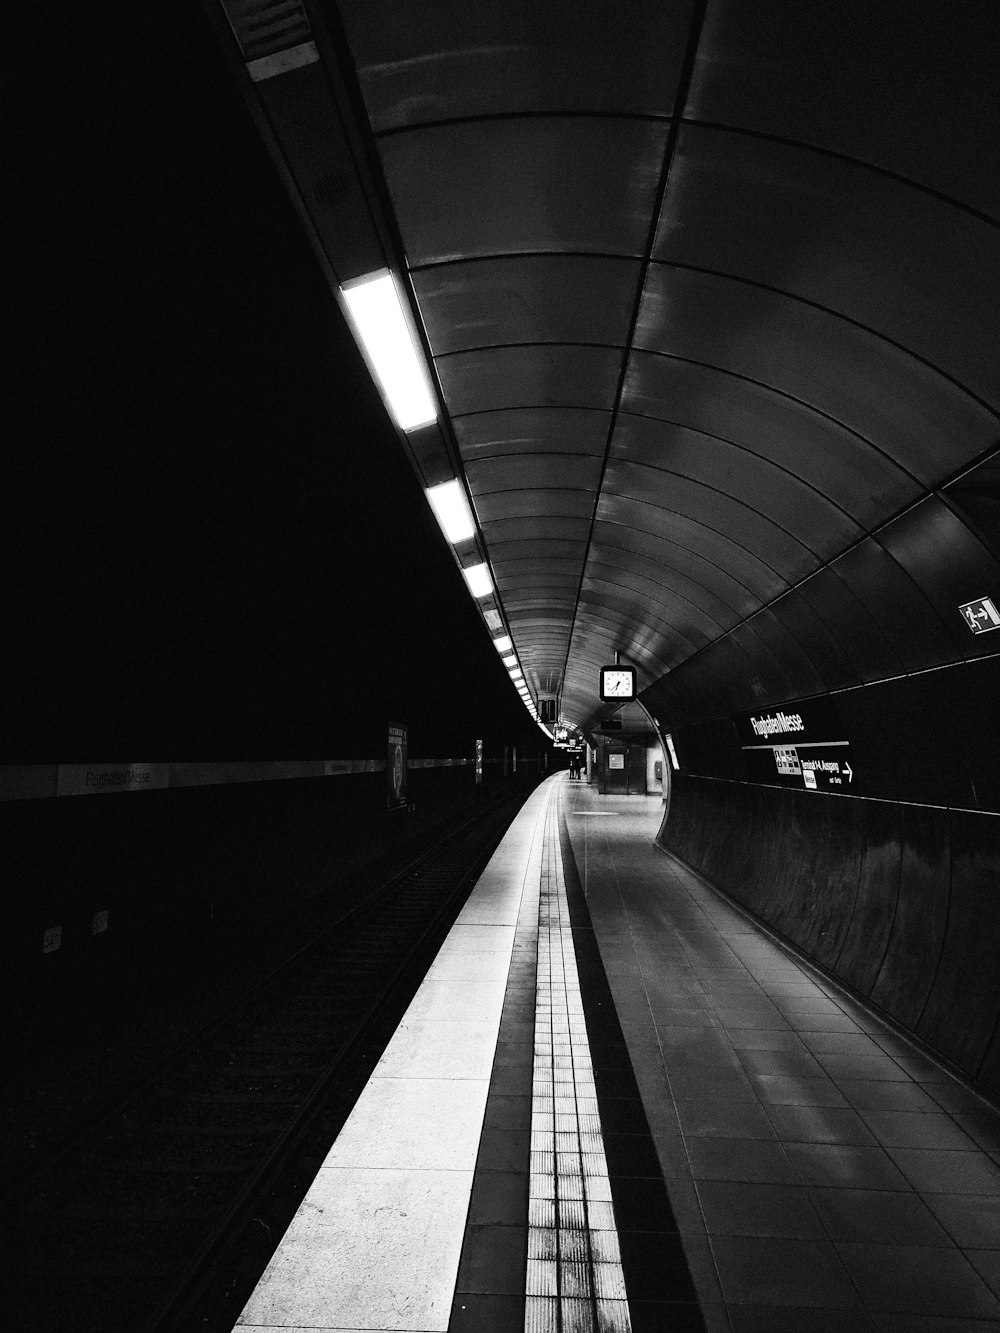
[(617, 683)]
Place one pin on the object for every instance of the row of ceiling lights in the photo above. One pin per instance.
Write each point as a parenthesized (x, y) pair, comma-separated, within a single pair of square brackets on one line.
[(376, 310)]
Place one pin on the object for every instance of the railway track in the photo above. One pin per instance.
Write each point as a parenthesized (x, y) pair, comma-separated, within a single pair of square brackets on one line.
[(159, 1212)]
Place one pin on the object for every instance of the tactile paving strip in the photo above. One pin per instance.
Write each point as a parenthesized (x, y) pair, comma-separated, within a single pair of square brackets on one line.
[(574, 1279)]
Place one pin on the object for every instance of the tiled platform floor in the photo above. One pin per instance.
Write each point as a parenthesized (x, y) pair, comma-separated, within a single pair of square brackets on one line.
[(825, 1176), (375, 1245)]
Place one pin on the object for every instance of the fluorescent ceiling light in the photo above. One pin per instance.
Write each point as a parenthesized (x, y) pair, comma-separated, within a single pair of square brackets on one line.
[(504, 644), (509, 661), (479, 581), (378, 317), (451, 508)]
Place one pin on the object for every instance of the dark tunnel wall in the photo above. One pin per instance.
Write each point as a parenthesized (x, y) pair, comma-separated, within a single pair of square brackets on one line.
[(197, 881), (888, 878)]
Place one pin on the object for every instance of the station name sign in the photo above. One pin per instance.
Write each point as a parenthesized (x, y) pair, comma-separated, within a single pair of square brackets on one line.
[(798, 746), (778, 723)]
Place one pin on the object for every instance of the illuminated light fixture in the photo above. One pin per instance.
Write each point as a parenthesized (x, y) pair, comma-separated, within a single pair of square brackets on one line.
[(451, 509), (515, 673), (377, 312), (504, 644), (509, 661), (479, 581)]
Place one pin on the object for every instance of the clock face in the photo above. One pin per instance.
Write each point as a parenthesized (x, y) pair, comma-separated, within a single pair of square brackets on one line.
[(617, 682)]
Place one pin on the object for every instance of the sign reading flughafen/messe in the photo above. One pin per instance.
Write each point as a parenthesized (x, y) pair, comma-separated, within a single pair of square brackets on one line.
[(797, 745)]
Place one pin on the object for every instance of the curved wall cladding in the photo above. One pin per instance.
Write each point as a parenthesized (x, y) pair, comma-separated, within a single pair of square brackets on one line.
[(887, 607), (897, 901), (928, 738)]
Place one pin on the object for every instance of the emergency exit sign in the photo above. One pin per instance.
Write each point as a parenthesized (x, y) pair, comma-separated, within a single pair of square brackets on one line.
[(981, 615)]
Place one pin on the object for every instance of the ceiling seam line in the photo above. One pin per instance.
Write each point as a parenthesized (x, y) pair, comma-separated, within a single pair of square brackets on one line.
[(740, 131), (612, 256), (838, 315), (501, 117), (745, 449), (534, 407), (658, 620), (528, 342), (787, 397), (821, 151), (714, 490), (690, 551), (684, 80), (742, 281)]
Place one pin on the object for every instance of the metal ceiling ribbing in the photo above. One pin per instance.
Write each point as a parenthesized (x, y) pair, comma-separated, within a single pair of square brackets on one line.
[(710, 292), (670, 416)]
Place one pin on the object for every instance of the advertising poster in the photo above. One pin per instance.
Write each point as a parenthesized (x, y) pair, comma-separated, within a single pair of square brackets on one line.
[(395, 768)]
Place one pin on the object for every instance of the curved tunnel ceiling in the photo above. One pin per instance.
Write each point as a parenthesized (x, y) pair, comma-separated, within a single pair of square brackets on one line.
[(710, 293)]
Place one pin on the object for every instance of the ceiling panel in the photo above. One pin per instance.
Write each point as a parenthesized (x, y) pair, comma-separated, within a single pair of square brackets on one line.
[(902, 262), (534, 528), (948, 563), (532, 376), (522, 430), (667, 622), (762, 581), (737, 473), (784, 551), (659, 592), (551, 552), (897, 403), (543, 582), (637, 548), (503, 187), (828, 457), (527, 299), (859, 633), (602, 631), (865, 80), (917, 633), (816, 637), (540, 503), (801, 673), (527, 471), (419, 62)]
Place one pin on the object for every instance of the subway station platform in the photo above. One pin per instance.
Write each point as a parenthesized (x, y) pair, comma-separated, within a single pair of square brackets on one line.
[(615, 1103)]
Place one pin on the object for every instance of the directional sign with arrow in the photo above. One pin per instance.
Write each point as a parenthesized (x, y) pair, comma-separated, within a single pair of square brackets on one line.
[(796, 745)]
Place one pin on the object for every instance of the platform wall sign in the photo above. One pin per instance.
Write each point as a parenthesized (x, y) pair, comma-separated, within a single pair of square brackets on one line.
[(395, 768), (981, 615), (797, 745), (104, 779), (479, 761)]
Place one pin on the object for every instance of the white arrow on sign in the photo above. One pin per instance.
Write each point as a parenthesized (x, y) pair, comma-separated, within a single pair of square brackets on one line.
[(850, 772)]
